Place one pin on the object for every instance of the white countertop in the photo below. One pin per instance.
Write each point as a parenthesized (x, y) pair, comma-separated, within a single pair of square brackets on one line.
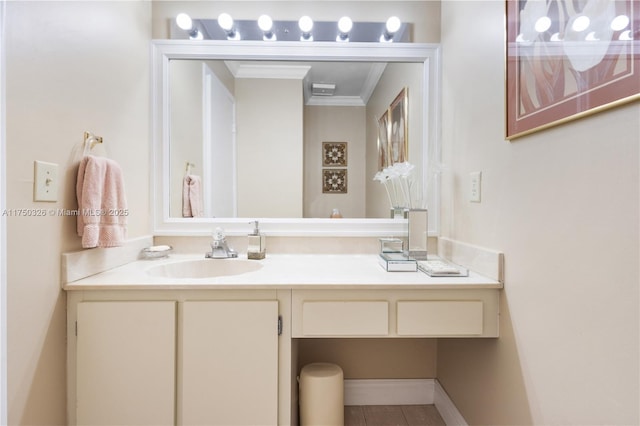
[(281, 271)]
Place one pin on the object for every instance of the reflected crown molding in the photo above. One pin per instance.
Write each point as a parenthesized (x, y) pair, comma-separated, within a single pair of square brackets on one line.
[(288, 72)]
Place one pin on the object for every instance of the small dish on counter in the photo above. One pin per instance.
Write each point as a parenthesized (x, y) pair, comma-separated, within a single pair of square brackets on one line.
[(155, 252)]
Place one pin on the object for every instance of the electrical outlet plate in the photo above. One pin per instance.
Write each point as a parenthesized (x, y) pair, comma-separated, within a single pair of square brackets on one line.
[(475, 190), (45, 185)]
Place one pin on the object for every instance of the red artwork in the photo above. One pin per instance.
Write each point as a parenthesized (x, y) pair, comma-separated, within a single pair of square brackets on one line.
[(567, 59)]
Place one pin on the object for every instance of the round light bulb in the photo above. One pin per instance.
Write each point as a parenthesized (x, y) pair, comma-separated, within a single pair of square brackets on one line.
[(620, 22), (555, 37), (184, 21), (306, 24), (581, 23), (543, 24), (393, 24), (625, 35), (592, 36), (225, 21), (265, 23), (345, 24)]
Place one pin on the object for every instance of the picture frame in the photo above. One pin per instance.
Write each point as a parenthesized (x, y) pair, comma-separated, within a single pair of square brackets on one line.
[(556, 73), (383, 140), (334, 181), (398, 128), (334, 154)]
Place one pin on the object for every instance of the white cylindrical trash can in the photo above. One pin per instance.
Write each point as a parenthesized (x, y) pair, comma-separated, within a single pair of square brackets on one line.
[(321, 395)]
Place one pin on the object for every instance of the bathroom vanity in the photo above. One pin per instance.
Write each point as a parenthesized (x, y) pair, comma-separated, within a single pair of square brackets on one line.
[(145, 348)]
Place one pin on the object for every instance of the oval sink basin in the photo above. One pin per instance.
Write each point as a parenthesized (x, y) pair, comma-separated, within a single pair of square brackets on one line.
[(204, 268)]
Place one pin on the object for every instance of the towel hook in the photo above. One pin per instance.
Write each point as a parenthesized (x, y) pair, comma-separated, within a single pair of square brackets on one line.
[(188, 167), (90, 140)]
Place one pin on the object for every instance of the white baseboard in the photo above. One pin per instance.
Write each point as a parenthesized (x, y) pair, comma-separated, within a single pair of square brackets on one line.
[(402, 392), (447, 408), (389, 391)]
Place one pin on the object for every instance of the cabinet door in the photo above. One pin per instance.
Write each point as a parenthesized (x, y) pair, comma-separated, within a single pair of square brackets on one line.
[(229, 363), (126, 363)]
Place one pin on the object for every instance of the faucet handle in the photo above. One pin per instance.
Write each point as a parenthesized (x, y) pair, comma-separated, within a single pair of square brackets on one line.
[(218, 234)]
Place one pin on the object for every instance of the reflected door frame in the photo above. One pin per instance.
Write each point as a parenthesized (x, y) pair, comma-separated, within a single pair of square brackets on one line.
[(219, 148)]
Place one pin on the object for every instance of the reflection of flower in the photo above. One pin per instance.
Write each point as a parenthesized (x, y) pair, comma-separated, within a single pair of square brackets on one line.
[(401, 185)]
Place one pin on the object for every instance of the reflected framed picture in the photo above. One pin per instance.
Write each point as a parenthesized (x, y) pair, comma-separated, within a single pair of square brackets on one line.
[(566, 60), (334, 181), (383, 141), (398, 128), (334, 154)]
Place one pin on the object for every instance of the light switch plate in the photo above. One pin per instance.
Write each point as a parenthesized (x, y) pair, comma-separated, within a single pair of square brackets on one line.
[(475, 190), (45, 184)]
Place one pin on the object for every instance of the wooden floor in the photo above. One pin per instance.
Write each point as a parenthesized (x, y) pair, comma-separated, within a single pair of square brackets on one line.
[(392, 415)]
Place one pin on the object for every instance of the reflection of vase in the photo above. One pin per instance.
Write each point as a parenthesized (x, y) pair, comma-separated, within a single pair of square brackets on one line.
[(397, 213), (417, 233)]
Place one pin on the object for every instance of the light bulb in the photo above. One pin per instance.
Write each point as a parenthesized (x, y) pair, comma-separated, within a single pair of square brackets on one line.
[(184, 21), (265, 23), (625, 35), (225, 21), (393, 24), (345, 24), (306, 24), (592, 36), (555, 37), (581, 23), (542, 24), (620, 22)]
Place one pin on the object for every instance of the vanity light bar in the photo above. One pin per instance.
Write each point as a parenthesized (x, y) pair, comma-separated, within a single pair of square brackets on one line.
[(305, 29)]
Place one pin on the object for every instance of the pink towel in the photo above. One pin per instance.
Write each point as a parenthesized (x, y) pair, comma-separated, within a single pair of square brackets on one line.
[(192, 197), (102, 205)]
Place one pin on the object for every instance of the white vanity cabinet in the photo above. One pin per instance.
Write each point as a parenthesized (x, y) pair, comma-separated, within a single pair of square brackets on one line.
[(125, 358), (229, 363), (395, 313), (226, 350), (176, 358)]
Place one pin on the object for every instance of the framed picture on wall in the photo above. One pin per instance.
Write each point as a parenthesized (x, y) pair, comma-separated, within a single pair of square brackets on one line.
[(334, 154), (334, 181), (398, 128), (383, 141), (567, 59)]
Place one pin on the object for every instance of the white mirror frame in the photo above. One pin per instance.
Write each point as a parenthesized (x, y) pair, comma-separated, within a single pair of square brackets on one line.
[(165, 50)]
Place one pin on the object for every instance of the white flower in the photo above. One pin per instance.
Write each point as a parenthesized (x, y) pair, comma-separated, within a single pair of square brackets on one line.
[(399, 181)]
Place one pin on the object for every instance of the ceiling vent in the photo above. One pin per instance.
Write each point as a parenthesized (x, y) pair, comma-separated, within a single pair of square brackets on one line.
[(323, 89)]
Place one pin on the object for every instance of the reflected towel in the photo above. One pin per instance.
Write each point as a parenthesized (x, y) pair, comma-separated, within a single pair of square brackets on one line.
[(102, 204), (192, 197)]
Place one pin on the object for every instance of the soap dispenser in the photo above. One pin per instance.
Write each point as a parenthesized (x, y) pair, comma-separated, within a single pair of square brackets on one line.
[(257, 248)]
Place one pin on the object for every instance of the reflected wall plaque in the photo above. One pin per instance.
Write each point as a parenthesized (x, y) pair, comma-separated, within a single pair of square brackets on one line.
[(334, 181), (334, 154)]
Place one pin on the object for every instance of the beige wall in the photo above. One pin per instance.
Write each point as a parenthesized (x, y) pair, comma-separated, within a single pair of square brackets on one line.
[(563, 206), (373, 358), (396, 76), (334, 124), (71, 67), (269, 123)]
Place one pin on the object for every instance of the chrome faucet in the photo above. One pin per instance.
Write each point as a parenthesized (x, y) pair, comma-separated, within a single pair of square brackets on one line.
[(219, 247)]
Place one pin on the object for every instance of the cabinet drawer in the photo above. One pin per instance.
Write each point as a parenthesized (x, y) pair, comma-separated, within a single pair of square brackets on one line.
[(440, 318), (345, 318)]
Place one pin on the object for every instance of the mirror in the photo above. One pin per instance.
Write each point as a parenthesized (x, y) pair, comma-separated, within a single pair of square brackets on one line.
[(183, 76)]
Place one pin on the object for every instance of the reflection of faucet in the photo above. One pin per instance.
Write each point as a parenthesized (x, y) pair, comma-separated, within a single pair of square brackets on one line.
[(219, 247)]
